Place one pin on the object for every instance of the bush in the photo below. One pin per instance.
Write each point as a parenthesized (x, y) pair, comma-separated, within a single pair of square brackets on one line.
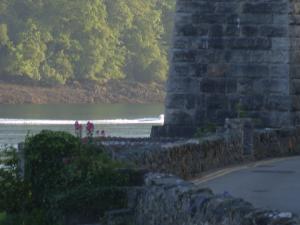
[(62, 176), (14, 193), (44, 156), (33, 217)]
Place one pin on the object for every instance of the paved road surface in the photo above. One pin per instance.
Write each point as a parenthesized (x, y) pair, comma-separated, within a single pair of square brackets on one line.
[(273, 184)]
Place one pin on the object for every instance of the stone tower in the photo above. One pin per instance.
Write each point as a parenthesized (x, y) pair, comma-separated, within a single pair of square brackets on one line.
[(230, 59)]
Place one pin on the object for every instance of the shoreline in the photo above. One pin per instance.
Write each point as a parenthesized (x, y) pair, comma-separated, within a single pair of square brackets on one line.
[(81, 93)]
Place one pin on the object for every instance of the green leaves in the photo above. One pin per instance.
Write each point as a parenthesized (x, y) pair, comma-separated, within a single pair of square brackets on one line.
[(14, 193), (60, 40), (63, 178), (3, 35)]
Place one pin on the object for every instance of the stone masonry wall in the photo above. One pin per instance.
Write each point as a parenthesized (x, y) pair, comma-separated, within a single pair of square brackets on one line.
[(167, 200), (294, 47), (233, 58), (276, 143), (189, 158), (184, 158)]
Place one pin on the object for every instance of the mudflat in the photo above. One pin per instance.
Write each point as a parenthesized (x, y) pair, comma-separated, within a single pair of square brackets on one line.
[(87, 92)]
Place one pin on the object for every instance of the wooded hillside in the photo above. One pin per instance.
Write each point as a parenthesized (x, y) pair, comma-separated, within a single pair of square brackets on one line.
[(55, 41)]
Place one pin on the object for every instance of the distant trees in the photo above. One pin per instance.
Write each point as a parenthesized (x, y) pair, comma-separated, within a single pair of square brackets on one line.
[(60, 40)]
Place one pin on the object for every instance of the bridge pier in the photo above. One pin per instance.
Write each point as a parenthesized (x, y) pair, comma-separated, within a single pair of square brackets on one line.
[(233, 59)]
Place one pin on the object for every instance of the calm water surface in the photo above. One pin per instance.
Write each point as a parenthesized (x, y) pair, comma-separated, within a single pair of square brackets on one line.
[(126, 120)]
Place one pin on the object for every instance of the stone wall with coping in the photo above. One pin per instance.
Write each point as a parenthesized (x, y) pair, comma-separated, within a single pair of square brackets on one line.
[(189, 160), (182, 157), (168, 200), (270, 143), (239, 142)]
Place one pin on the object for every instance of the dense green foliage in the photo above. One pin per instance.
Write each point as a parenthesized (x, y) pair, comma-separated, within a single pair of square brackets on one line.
[(61, 40), (63, 177)]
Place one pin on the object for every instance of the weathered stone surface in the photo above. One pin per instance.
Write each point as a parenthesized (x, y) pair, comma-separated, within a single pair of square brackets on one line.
[(247, 49), (167, 200), (119, 217)]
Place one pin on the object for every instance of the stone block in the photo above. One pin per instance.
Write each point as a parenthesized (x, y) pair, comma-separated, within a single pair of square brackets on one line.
[(278, 103), (280, 43), (295, 8), (186, 30), (182, 44), (245, 86), (226, 7), (295, 72), (258, 57), (294, 20), (174, 131), (296, 103), (252, 103), (180, 117), (249, 71), (119, 217), (216, 102), (181, 70), (294, 31), (278, 57), (233, 102), (221, 115), (294, 43), (203, 30), (232, 30), (249, 31), (273, 31), (208, 85), (279, 71), (183, 85), (235, 57), (255, 19), (209, 18), (175, 101), (216, 31), (190, 101), (200, 117), (217, 70), (281, 19), (200, 70), (274, 86), (231, 86), (295, 86), (278, 119), (266, 8), (294, 57), (216, 43), (250, 43), (184, 56)]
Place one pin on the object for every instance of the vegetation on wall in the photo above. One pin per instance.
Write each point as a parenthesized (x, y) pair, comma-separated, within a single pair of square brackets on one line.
[(60, 40)]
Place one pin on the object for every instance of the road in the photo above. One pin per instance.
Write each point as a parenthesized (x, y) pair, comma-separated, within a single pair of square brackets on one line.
[(273, 184)]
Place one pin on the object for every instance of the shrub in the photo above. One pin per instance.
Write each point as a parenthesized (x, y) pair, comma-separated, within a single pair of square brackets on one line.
[(62, 176), (15, 194), (44, 157)]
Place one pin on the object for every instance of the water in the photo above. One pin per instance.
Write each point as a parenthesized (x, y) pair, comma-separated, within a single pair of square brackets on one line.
[(125, 120)]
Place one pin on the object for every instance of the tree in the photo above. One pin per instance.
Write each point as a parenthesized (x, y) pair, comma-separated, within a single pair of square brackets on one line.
[(4, 39), (60, 40)]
